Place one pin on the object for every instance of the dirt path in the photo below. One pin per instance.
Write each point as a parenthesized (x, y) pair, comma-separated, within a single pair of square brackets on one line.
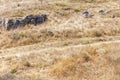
[(25, 50)]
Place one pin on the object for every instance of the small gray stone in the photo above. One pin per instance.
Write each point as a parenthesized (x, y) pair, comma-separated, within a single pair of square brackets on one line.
[(86, 14), (113, 16), (101, 12)]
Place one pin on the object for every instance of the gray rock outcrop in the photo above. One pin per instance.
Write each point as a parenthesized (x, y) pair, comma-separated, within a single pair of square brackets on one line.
[(9, 24)]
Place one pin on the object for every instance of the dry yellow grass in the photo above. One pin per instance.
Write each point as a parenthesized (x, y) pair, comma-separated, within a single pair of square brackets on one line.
[(66, 63), (67, 46)]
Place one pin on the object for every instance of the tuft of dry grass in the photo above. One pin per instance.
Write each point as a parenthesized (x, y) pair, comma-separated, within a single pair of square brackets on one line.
[(78, 65)]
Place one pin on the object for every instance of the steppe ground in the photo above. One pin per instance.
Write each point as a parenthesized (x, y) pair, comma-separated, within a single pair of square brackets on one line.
[(67, 46)]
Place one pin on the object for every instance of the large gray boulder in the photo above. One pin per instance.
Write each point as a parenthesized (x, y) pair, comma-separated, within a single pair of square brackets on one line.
[(35, 19), (9, 23)]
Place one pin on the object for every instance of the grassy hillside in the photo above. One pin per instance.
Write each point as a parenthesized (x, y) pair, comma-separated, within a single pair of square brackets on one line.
[(67, 46)]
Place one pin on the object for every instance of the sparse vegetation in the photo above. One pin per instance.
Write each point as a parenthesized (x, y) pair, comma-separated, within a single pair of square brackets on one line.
[(13, 70), (67, 46)]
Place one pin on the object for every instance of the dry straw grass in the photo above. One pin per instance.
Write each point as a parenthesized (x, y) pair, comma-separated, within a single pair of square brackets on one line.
[(66, 47), (66, 63)]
